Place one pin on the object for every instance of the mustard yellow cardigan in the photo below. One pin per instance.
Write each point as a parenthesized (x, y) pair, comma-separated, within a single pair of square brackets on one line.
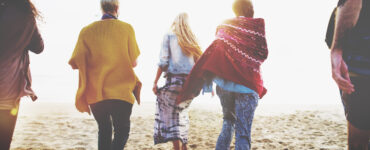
[(104, 54)]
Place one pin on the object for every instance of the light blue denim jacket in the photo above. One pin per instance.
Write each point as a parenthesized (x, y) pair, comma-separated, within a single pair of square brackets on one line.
[(171, 56)]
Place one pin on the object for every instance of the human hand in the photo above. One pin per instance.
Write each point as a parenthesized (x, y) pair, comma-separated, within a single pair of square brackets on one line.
[(82, 106), (155, 89), (340, 72)]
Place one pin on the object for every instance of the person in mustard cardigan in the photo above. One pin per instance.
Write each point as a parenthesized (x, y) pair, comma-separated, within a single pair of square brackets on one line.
[(105, 55)]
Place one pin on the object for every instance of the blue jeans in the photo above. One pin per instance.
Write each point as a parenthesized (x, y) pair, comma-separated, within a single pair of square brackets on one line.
[(238, 110), (104, 113)]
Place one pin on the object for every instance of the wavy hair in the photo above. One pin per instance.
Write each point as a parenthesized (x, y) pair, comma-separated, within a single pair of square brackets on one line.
[(186, 37)]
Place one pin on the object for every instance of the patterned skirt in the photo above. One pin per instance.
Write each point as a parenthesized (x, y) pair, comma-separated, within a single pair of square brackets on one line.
[(171, 121)]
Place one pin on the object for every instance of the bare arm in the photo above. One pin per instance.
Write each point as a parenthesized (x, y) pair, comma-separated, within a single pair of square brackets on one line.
[(347, 16), (159, 73), (346, 19)]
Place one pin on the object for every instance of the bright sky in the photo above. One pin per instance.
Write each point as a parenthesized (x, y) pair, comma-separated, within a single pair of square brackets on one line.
[(297, 69)]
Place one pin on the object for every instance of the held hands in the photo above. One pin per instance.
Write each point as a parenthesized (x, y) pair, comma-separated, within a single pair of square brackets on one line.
[(340, 72)]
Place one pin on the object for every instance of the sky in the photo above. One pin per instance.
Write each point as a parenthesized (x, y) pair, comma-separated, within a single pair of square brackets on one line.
[(297, 70)]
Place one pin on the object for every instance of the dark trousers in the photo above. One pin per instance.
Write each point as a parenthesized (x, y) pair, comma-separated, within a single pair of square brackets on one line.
[(7, 124), (118, 112), (357, 104)]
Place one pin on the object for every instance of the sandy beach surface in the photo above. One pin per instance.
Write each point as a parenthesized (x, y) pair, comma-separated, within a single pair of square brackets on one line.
[(58, 126)]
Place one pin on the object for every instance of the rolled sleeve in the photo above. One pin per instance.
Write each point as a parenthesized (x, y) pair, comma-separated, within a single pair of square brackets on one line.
[(164, 53)]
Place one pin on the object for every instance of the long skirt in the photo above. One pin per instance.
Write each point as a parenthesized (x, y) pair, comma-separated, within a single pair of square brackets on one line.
[(171, 121)]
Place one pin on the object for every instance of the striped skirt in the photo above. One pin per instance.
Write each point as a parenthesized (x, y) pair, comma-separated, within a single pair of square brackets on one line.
[(171, 121)]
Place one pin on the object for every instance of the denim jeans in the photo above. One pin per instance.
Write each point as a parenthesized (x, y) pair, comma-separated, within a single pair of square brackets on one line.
[(104, 113), (238, 110), (7, 125)]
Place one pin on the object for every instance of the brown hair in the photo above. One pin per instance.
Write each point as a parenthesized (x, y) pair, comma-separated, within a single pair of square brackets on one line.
[(186, 37), (243, 8), (27, 7)]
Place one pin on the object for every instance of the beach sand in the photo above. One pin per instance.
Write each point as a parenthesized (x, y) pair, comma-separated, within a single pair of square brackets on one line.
[(293, 127)]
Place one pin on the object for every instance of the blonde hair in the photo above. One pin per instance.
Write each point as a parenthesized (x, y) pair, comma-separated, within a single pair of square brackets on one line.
[(109, 6), (185, 36), (243, 8)]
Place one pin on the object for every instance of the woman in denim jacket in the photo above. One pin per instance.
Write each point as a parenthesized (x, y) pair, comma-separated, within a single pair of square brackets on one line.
[(179, 52)]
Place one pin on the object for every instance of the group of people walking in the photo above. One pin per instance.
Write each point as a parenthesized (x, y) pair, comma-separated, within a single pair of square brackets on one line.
[(106, 54)]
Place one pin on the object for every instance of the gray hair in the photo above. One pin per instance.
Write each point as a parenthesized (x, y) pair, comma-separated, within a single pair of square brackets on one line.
[(109, 6)]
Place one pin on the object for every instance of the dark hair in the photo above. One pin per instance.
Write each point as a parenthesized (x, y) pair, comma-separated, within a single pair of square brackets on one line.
[(341, 2), (27, 7)]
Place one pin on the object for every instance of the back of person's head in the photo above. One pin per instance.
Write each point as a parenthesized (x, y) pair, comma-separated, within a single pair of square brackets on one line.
[(27, 7), (185, 36), (243, 8), (181, 21), (109, 6), (341, 2)]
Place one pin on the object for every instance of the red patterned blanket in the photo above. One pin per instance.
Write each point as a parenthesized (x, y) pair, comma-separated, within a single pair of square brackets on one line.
[(235, 55)]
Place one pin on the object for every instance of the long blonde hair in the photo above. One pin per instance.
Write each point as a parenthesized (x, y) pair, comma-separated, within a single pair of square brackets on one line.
[(185, 36)]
